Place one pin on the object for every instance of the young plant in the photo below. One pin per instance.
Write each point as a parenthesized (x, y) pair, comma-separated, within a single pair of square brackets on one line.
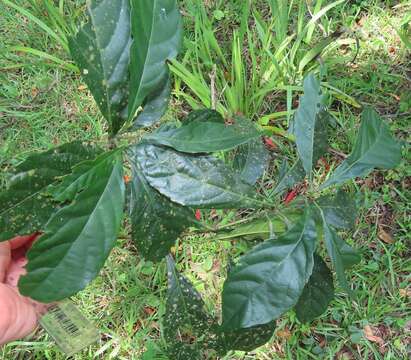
[(76, 194)]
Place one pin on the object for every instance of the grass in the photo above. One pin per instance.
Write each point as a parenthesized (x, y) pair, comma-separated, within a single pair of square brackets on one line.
[(43, 104)]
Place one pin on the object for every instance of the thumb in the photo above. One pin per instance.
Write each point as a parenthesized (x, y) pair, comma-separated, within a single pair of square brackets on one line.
[(5, 258)]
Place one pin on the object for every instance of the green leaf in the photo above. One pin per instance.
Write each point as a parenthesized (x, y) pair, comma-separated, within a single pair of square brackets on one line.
[(342, 255), (202, 137), (194, 181), (317, 293), (156, 221), (82, 176), (259, 228), (251, 160), (101, 49), (270, 278), (78, 238), (25, 206), (185, 317), (290, 177), (374, 148), (310, 124), (206, 115), (157, 34), (247, 339), (339, 210), (154, 108)]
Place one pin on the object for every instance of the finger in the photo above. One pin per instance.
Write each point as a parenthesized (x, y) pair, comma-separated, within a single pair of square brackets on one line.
[(5, 258), (20, 241), (15, 270)]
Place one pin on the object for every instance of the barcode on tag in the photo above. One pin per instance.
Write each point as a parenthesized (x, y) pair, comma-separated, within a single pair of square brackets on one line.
[(69, 328)]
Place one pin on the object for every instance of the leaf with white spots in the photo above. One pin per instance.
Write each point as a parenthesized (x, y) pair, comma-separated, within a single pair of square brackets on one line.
[(247, 339), (156, 27), (25, 206), (186, 324), (198, 181), (154, 107), (156, 221), (317, 293), (101, 49)]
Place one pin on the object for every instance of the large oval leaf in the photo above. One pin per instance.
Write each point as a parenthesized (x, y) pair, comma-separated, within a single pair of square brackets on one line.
[(269, 279), (374, 148), (157, 34), (78, 238), (310, 124), (156, 221), (317, 293), (194, 181), (101, 48), (25, 206)]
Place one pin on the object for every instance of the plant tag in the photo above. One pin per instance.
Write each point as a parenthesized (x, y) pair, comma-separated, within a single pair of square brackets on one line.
[(69, 328)]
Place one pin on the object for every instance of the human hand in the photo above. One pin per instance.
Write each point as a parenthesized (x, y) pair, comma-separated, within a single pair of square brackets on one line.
[(18, 314)]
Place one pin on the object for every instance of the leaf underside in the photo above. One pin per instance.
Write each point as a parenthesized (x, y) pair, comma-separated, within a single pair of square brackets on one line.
[(78, 238)]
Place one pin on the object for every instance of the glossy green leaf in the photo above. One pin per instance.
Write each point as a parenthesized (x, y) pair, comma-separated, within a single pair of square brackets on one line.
[(202, 137), (185, 318), (269, 279), (194, 181), (339, 210), (290, 177), (156, 221), (251, 161), (155, 107), (317, 293), (82, 176), (374, 148), (78, 238), (25, 206), (157, 34), (342, 255), (310, 124), (101, 49)]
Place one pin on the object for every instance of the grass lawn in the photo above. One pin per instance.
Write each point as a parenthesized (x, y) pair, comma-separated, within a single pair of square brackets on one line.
[(43, 103)]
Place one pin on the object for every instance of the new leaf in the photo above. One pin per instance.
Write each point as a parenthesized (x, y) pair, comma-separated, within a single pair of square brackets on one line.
[(78, 238), (101, 48), (310, 124), (374, 148), (157, 33)]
